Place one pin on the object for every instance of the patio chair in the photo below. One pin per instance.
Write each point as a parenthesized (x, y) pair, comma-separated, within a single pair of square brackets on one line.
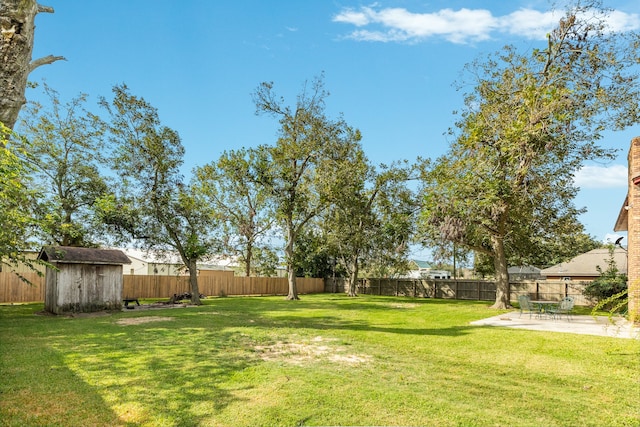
[(564, 307), (526, 306)]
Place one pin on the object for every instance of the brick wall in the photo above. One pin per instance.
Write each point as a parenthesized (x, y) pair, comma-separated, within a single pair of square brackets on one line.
[(633, 231)]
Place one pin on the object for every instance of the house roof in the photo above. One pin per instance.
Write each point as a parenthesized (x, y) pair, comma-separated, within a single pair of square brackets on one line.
[(154, 256), (173, 258), (524, 269), (421, 264), (622, 223), (75, 255), (587, 263)]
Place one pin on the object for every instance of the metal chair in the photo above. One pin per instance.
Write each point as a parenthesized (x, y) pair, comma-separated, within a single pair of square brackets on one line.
[(526, 306), (564, 307)]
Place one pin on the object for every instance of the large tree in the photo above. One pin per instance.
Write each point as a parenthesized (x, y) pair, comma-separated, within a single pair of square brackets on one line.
[(63, 143), (16, 46), (532, 119), (230, 185), (152, 204), (372, 220), (308, 164)]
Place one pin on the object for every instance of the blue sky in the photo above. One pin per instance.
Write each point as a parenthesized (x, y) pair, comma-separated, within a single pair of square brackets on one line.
[(389, 65)]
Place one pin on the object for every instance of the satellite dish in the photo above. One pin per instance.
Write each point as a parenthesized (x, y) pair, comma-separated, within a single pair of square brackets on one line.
[(617, 243)]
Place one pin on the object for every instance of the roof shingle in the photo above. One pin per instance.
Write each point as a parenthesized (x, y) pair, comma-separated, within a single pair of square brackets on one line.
[(74, 255)]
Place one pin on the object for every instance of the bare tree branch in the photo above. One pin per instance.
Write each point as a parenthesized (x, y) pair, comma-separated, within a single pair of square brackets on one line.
[(44, 61), (45, 9)]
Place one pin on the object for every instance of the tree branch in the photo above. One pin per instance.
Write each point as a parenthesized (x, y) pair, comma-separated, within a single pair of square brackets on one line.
[(45, 9), (44, 61)]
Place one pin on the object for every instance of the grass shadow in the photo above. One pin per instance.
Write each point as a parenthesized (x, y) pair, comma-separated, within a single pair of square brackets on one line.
[(171, 372), (39, 389)]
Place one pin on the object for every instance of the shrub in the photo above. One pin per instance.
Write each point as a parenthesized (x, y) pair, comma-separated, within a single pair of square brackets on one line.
[(611, 282)]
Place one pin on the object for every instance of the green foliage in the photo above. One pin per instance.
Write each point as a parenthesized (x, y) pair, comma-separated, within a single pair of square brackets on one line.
[(16, 201), (505, 188), (609, 285), (371, 221), (265, 262), (63, 143), (232, 189), (615, 304), (118, 214), (309, 164), (315, 259), (151, 203), (483, 265)]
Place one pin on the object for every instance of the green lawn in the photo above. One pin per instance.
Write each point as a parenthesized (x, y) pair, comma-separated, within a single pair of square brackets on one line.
[(324, 360)]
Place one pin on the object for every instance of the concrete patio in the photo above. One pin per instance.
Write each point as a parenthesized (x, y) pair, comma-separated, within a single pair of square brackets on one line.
[(587, 325)]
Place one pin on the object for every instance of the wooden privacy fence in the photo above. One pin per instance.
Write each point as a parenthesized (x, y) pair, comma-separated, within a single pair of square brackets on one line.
[(166, 286), (479, 290), (12, 289)]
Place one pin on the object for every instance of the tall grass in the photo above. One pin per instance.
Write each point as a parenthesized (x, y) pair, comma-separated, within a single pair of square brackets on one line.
[(324, 360)]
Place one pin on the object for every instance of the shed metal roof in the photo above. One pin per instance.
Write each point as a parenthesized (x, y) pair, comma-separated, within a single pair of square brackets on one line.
[(75, 255)]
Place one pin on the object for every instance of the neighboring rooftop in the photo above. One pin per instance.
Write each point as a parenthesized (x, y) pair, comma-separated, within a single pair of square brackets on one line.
[(587, 263), (173, 258), (524, 269), (422, 265)]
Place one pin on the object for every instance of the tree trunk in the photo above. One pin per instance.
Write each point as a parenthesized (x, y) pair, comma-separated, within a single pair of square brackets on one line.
[(293, 289), (193, 282), (16, 46), (503, 299), (353, 278), (248, 256), (291, 273)]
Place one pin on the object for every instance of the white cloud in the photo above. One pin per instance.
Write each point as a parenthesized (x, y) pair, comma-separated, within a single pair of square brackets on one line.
[(529, 23), (397, 24), (620, 21), (602, 177), (349, 16), (458, 26)]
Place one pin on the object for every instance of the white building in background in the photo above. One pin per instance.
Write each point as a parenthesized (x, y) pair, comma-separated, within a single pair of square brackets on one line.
[(164, 263), (423, 270)]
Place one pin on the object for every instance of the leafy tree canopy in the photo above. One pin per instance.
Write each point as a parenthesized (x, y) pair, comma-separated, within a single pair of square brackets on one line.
[(151, 203), (16, 201), (505, 188), (64, 144)]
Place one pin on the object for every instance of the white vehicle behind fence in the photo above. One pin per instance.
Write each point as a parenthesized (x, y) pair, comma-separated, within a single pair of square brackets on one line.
[(427, 274), (437, 274)]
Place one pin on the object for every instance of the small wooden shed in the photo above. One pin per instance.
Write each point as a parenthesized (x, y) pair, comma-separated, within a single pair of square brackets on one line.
[(83, 280)]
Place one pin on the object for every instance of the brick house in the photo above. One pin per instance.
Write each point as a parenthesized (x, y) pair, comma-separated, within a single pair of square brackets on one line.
[(629, 221)]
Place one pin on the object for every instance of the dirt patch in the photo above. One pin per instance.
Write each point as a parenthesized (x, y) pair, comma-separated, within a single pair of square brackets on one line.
[(404, 305), (145, 319), (155, 306), (318, 349), (69, 314)]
